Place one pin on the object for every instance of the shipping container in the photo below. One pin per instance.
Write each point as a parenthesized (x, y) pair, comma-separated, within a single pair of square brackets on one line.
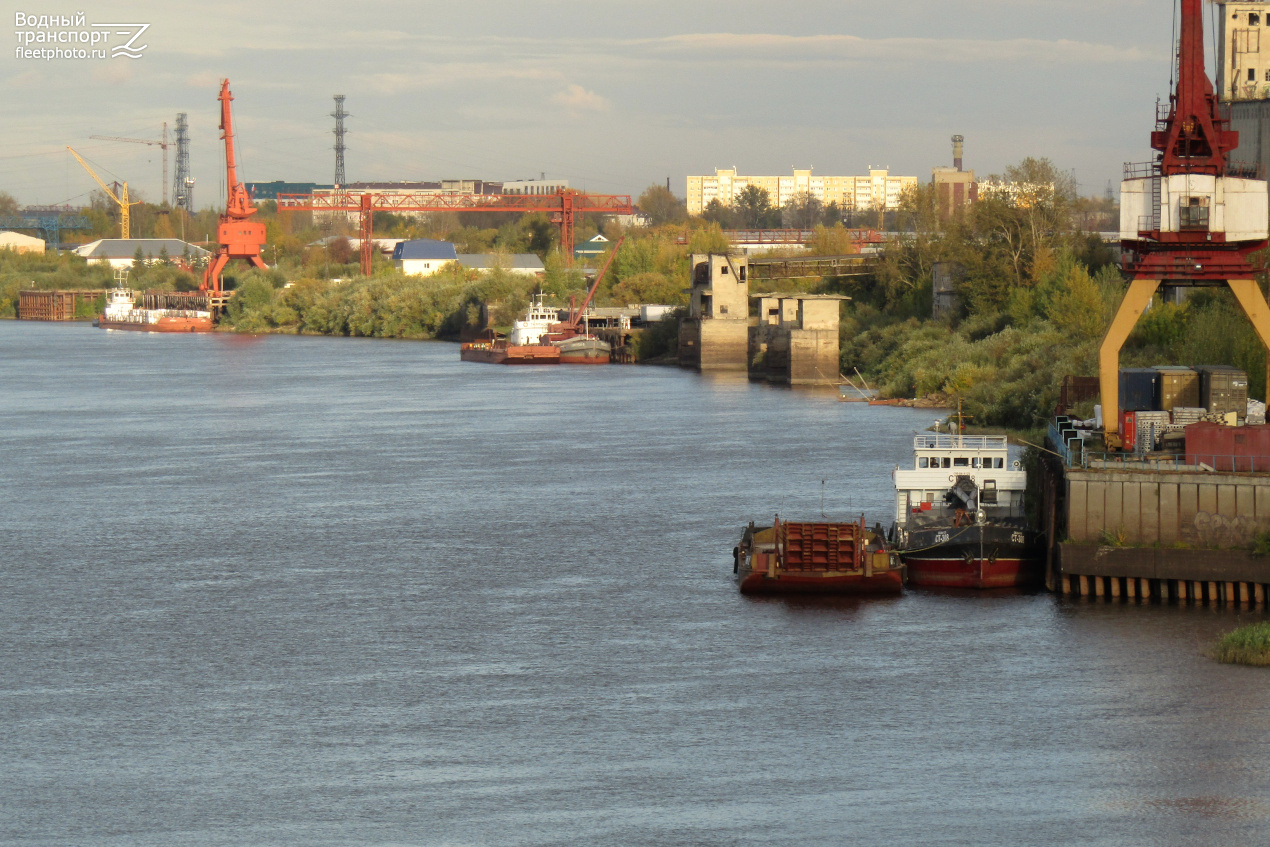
[(1223, 389), (1129, 430), (1178, 386), (1229, 448), (1138, 389)]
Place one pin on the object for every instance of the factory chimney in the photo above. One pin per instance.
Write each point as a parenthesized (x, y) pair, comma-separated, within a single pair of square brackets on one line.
[(958, 141)]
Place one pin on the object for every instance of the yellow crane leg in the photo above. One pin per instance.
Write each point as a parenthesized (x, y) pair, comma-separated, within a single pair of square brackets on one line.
[(1249, 296), (1135, 302)]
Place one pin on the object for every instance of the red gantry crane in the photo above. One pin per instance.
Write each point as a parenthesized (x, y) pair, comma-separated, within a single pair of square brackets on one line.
[(563, 206), (238, 235), (1189, 218)]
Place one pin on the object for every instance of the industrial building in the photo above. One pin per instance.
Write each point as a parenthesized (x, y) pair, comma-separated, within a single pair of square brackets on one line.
[(426, 256), (122, 252), (19, 243), (1244, 52), (955, 187), (878, 190)]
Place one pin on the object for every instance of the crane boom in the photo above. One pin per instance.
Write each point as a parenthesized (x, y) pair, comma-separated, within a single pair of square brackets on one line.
[(163, 145), (125, 228), (576, 319)]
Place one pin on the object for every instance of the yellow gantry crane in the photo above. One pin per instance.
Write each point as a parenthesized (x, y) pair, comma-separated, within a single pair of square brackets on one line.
[(125, 231)]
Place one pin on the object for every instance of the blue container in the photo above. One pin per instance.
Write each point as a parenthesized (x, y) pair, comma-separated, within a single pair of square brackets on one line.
[(1139, 389)]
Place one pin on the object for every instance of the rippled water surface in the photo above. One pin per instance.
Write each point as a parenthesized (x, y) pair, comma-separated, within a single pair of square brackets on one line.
[(299, 591)]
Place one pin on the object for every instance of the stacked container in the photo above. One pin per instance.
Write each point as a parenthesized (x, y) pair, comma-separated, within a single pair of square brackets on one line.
[(1177, 386), (1138, 389), (1223, 389)]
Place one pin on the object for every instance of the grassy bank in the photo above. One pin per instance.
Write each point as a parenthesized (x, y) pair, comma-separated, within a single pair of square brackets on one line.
[(1248, 645)]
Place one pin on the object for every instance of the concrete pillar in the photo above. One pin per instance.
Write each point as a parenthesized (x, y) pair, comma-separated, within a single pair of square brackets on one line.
[(1084, 586), (1259, 593), (1230, 594), (1067, 585), (1144, 589), (1181, 591), (1197, 592), (1131, 588), (1212, 593), (1099, 587), (1115, 587), (1245, 597)]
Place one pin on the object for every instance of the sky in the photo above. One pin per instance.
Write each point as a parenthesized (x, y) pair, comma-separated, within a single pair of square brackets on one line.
[(613, 96)]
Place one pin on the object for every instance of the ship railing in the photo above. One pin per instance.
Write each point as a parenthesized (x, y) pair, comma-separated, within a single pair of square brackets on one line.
[(942, 515), (939, 441), (1175, 462)]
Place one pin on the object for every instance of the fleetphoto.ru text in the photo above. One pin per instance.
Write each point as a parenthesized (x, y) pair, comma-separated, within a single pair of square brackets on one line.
[(53, 37)]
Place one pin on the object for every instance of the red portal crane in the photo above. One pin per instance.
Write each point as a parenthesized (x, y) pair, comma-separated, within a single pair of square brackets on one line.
[(563, 206), (1189, 218), (238, 236)]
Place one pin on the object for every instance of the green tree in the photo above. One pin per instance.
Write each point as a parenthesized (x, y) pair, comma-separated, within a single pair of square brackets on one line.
[(803, 211), (754, 205), (662, 206)]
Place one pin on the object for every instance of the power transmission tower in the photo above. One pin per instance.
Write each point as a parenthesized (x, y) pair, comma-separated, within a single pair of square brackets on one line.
[(339, 114), (183, 184)]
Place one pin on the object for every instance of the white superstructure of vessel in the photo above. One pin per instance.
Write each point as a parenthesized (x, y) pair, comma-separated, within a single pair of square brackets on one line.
[(940, 462), (537, 321)]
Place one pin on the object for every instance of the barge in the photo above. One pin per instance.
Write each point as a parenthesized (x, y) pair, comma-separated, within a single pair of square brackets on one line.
[(815, 558)]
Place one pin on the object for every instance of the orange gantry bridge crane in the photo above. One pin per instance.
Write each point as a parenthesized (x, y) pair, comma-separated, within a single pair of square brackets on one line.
[(563, 206)]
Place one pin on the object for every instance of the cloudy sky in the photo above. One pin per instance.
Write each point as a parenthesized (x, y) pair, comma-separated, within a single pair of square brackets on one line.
[(610, 95)]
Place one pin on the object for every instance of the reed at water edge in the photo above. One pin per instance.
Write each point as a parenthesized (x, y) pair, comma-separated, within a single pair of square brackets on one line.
[(1248, 645)]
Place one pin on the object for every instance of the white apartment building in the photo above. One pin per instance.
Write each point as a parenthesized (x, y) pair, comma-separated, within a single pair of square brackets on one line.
[(877, 190)]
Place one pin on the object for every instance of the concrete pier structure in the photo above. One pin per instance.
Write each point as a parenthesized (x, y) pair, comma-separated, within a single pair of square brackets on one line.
[(794, 340), (715, 335)]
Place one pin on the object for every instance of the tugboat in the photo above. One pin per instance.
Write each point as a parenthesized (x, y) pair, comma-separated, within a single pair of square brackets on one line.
[(815, 558), (525, 345), (959, 516)]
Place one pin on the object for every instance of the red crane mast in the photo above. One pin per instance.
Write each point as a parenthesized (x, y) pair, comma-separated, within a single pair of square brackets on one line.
[(238, 236)]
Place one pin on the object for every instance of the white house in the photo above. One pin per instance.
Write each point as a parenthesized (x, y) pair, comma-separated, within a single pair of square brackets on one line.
[(423, 256)]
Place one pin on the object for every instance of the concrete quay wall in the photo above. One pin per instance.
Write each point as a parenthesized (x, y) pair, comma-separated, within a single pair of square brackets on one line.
[(1199, 510)]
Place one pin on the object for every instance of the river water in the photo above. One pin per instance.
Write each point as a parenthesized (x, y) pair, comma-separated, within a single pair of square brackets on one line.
[(308, 591)]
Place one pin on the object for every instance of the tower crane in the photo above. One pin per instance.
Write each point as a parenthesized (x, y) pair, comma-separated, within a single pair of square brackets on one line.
[(163, 144), (125, 229), (238, 235)]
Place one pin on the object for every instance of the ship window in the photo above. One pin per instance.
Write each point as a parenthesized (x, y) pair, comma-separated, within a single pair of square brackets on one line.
[(974, 463), (961, 462), (1252, 74), (723, 271), (1254, 19), (723, 310), (923, 462), (988, 494), (1000, 463), (930, 497), (947, 462)]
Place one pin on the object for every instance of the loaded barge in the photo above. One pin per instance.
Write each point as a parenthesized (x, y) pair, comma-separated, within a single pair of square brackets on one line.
[(815, 558)]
